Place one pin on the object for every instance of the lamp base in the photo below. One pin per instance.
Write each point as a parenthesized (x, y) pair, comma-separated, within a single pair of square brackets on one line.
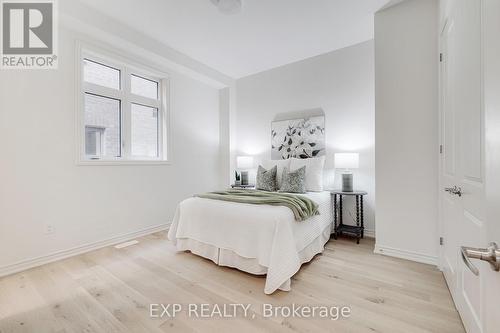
[(244, 177), (347, 182)]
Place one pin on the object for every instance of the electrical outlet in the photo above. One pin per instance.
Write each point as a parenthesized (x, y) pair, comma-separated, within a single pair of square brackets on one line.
[(49, 229)]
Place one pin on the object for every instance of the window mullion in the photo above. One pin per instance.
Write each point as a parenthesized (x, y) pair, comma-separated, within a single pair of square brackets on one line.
[(161, 119), (101, 91), (145, 101), (163, 126), (126, 123)]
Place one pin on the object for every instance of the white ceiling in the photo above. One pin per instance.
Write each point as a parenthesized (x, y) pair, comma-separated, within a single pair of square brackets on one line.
[(264, 35)]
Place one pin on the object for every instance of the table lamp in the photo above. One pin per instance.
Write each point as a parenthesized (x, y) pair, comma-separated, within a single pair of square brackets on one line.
[(347, 161), (244, 163)]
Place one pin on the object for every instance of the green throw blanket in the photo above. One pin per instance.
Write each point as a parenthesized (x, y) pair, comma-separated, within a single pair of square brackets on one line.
[(301, 206)]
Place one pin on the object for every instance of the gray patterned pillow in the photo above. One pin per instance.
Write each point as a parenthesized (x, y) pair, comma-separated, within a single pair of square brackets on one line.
[(294, 182), (266, 179)]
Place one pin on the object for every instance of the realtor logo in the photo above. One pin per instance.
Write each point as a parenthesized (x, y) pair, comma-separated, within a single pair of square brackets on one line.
[(28, 34)]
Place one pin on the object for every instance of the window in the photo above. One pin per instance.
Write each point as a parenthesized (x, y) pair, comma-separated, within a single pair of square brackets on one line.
[(102, 126), (124, 114), (144, 123), (100, 74), (94, 141)]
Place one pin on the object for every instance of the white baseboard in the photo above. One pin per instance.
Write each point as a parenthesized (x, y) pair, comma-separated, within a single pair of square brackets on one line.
[(58, 255), (404, 254)]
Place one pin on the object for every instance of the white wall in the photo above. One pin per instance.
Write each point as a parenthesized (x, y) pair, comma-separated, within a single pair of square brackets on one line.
[(341, 83), (40, 183), (406, 85)]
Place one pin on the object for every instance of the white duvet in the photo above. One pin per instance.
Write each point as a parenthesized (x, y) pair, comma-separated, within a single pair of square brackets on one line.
[(268, 234)]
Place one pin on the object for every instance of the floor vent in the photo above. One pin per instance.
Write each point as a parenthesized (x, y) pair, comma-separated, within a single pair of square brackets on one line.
[(129, 243)]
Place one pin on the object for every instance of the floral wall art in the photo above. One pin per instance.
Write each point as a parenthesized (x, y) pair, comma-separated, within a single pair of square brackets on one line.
[(299, 138)]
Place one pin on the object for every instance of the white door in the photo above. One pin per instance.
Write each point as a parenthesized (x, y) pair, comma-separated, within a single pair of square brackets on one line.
[(491, 56), (468, 167)]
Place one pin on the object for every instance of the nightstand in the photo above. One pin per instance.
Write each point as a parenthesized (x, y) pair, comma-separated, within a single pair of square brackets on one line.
[(340, 228), (242, 186)]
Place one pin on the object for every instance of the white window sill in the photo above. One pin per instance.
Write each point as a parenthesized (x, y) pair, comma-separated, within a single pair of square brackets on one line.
[(126, 162)]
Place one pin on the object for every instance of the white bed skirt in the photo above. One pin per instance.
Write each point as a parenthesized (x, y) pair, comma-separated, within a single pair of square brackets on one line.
[(229, 258)]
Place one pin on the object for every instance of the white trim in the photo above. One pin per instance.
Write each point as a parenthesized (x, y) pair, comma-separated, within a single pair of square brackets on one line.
[(370, 233), (58, 255), (404, 254)]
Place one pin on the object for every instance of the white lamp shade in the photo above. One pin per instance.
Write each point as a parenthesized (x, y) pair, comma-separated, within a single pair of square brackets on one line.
[(244, 162), (346, 160)]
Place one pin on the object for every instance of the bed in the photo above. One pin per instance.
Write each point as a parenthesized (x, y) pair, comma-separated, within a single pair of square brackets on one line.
[(255, 239)]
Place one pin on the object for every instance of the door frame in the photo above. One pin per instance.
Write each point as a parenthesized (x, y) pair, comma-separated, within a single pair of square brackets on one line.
[(440, 147), (441, 262)]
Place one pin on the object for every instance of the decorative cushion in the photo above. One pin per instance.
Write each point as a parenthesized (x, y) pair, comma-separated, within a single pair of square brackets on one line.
[(266, 179), (294, 181), (281, 164), (314, 171)]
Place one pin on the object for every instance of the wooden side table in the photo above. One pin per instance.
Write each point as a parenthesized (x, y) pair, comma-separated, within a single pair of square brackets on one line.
[(340, 228)]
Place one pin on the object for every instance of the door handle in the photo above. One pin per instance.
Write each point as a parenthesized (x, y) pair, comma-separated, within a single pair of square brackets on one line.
[(490, 254), (454, 190)]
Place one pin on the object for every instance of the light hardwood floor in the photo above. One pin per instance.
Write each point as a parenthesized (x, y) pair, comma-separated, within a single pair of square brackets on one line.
[(110, 290)]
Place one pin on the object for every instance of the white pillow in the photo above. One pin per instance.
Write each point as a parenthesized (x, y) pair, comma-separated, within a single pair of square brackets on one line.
[(281, 164), (314, 171)]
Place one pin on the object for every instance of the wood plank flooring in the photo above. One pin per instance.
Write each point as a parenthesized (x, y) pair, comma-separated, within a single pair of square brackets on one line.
[(110, 290)]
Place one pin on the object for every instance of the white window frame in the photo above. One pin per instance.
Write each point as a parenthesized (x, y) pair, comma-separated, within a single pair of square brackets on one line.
[(124, 94)]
